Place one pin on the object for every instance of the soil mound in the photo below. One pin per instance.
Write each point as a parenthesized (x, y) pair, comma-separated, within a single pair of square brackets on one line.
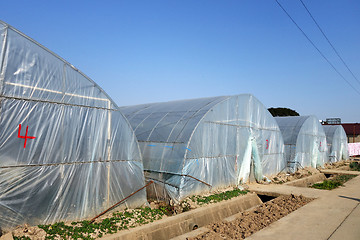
[(255, 220)]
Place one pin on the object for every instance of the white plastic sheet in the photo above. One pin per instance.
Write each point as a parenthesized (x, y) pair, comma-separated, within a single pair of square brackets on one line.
[(354, 149), (337, 142), (84, 157), (305, 141), (213, 140)]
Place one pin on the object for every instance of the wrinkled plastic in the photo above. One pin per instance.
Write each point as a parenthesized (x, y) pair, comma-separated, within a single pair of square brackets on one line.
[(305, 141), (84, 157), (337, 142), (209, 139), (257, 161), (354, 149)]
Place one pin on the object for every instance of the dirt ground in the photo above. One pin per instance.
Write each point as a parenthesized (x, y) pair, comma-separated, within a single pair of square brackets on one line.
[(252, 221), (36, 233), (342, 165), (286, 177), (307, 171), (269, 212), (32, 232)]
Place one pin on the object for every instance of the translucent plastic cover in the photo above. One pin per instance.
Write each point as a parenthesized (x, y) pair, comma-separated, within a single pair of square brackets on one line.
[(66, 152), (337, 142), (305, 141), (192, 145)]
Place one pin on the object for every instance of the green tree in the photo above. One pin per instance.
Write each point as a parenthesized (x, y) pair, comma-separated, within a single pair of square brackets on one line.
[(282, 112)]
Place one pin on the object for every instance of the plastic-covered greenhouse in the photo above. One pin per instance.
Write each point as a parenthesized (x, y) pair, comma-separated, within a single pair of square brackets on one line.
[(66, 152), (337, 142), (305, 141), (190, 146)]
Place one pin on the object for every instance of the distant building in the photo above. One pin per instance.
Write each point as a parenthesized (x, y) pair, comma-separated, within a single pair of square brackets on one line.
[(333, 121), (352, 129)]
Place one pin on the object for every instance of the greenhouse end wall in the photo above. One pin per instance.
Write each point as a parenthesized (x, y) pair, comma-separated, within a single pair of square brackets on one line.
[(305, 141), (193, 145), (337, 143), (66, 152)]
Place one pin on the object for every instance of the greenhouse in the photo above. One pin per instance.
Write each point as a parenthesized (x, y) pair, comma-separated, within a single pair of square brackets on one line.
[(305, 141), (66, 152), (337, 142), (192, 146)]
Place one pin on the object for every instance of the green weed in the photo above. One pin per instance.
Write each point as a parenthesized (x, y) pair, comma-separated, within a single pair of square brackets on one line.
[(218, 197), (333, 183), (87, 231), (21, 238), (355, 166), (123, 220)]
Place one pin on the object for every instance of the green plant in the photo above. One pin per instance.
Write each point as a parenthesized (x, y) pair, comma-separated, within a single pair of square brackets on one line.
[(21, 238), (122, 220), (167, 210), (327, 185), (218, 197), (118, 221), (333, 183), (345, 178), (355, 166)]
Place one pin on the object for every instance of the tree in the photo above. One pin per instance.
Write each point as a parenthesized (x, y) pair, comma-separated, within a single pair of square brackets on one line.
[(282, 112)]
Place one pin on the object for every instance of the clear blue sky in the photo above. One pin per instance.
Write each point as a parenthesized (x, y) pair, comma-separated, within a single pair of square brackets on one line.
[(151, 51)]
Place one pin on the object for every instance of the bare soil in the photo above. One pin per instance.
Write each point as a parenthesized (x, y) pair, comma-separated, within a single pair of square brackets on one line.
[(32, 232), (287, 177), (342, 165), (252, 221)]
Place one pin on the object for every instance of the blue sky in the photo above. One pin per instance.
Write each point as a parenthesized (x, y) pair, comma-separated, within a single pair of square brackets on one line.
[(151, 51)]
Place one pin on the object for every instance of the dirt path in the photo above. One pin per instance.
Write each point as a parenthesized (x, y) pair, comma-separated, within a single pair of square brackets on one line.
[(255, 220)]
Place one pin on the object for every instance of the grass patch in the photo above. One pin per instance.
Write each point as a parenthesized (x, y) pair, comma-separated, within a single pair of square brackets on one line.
[(355, 166), (333, 183), (218, 197)]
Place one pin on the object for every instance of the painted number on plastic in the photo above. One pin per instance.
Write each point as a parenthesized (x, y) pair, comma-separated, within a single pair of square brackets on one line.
[(26, 137)]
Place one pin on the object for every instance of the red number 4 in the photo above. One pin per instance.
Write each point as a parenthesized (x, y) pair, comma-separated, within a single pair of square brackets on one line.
[(26, 135)]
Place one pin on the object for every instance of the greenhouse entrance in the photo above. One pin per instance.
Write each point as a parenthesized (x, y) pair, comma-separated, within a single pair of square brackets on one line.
[(251, 170)]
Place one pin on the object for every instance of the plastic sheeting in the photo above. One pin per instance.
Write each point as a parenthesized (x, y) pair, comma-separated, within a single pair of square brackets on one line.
[(191, 143), (337, 142), (75, 154), (354, 149), (305, 141)]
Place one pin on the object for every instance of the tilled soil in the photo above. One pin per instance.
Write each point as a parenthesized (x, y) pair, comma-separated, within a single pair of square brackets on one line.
[(287, 177), (342, 165), (252, 221)]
